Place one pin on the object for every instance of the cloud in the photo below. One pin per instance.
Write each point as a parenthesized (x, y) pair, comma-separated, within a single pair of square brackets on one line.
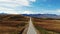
[(58, 10), (12, 11), (46, 11), (32, 0), (27, 12), (15, 3), (12, 4), (32, 12), (8, 11)]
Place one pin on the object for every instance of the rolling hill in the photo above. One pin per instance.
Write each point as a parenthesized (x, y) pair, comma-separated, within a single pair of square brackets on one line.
[(12, 24)]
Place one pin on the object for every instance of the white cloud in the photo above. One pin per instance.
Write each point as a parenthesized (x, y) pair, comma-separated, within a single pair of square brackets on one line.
[(12, 11), (58, 10), (32, 0), (31, 12), (8, 11), (16, 2), (13, 4), (27, 12), (8, 5)]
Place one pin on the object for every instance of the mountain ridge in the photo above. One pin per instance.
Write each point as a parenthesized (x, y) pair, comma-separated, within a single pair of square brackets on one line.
[(43, 15)]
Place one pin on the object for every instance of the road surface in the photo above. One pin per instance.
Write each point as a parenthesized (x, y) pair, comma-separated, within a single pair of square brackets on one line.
[(31, 29)]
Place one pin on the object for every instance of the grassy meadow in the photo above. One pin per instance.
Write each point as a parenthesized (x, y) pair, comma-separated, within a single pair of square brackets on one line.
[(47, 26), (12, 24)]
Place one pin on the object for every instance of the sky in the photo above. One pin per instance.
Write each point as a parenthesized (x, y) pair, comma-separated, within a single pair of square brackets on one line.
[(30, 6)]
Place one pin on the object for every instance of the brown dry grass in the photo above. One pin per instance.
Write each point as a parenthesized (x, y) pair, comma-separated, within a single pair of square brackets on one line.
[(12, 24), (51, 25)]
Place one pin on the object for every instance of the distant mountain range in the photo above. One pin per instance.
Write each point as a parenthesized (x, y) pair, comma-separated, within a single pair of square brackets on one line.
[(39, 15), (43, 15)]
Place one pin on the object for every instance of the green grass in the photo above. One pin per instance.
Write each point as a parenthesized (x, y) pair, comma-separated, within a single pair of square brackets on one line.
[(41, 30), (44, 31)]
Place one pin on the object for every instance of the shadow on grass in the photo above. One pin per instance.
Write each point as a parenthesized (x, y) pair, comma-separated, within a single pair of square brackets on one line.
[(44, 31)]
